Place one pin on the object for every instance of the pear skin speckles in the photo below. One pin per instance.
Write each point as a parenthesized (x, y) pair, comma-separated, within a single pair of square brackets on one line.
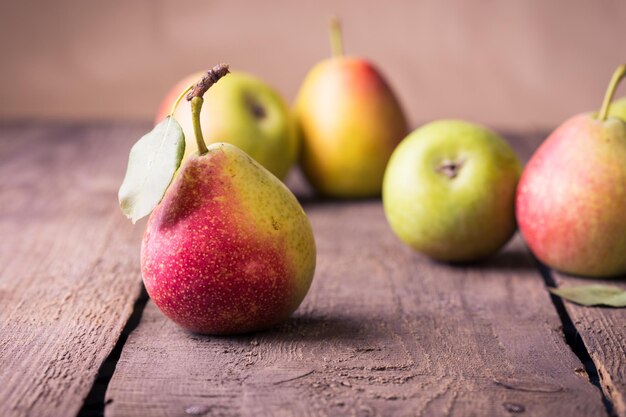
[(213, 260), (571, 198)]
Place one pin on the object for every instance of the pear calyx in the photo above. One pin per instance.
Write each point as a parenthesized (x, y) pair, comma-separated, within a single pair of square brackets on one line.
[(450, 168)]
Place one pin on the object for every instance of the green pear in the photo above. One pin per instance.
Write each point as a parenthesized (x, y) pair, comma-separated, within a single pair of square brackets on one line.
[(449, 191), (229, 248), (618, 109), (245, 111)]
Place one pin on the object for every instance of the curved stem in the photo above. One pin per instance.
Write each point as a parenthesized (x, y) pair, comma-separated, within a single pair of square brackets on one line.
[(336, 39), (211, 77), (196, 106), (195, 93), (619, 73), (180, 97)]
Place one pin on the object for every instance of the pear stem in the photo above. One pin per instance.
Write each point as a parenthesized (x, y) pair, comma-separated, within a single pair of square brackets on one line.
[(336, 38), (619, 73), (196, 106), (195, 94), (211, 77), (180, 97)]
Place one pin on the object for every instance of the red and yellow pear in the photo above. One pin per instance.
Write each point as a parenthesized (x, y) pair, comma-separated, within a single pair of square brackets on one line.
[(571, 198), (227, 248), (350, 122)]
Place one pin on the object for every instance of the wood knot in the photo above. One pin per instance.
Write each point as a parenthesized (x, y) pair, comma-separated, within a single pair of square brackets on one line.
[(514, 408)]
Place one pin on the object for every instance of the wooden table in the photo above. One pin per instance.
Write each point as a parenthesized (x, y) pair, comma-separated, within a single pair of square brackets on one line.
[(382, 332)]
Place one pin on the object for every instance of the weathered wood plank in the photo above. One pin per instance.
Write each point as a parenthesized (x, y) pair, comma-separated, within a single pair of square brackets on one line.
[(68, 262), (383, 331), (603, 330)]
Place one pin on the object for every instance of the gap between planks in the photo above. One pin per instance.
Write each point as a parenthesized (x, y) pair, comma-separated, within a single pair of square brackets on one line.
[(68, 264), (602, 332)]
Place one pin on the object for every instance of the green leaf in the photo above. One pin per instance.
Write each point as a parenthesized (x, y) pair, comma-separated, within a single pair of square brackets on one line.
[(591, 295), (152, 163)]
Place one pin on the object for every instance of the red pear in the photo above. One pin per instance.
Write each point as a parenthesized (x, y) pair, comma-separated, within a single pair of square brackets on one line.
[(227, 248), (571, 199)]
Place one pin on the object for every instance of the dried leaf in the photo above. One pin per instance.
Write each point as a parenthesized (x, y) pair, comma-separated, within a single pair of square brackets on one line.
[(152, 163), (591, 295)]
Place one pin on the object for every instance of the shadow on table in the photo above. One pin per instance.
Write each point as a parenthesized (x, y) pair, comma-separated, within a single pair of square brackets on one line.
[(301, 327), (511, 260)]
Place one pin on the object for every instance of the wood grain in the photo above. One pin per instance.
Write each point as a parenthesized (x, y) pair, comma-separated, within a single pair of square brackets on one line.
[(68, 262), (603, 330), (382, 332)]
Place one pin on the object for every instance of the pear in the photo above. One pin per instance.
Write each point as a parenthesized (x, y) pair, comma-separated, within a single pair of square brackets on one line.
[(618, 108), (449, 191), (245, 111), (229, 249), (349, 121), (571, 199)]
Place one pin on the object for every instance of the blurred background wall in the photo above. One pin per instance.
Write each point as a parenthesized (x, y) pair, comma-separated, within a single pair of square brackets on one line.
[(508, 64)]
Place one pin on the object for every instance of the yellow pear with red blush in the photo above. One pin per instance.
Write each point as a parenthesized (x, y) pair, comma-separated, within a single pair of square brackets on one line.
[(349, 121)]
